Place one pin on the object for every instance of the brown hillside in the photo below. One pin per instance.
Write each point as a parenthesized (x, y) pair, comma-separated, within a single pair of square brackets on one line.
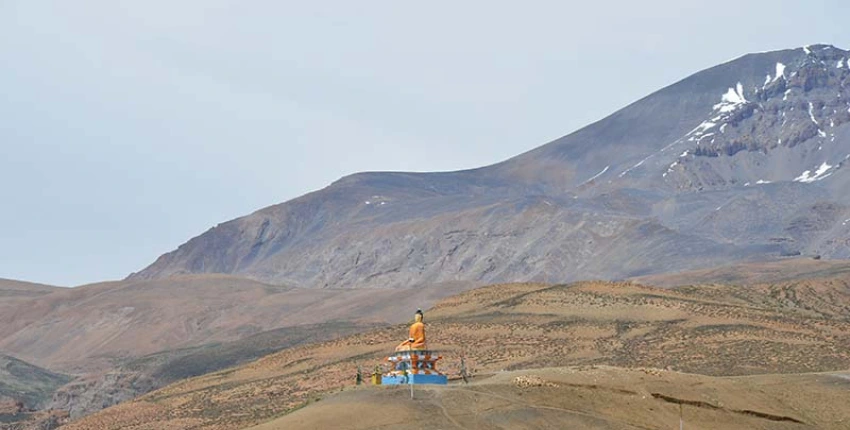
[(15, 293), (590, 397), (8, 286), (87, 328), (713, 330), (752, 273)]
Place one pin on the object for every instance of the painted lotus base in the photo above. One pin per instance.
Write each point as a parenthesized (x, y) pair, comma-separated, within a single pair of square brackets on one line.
[(414, 367), (414, 379)]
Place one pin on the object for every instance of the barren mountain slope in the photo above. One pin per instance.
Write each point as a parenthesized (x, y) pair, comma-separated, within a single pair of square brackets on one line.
[(133, 377), (742, 161), (752, 273), (24, 389), (11, 287), (12, 293), (87, 328), (714, 330), (30, 385)]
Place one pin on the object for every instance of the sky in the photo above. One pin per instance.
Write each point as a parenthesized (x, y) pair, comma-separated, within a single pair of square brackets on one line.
[(129, 127)]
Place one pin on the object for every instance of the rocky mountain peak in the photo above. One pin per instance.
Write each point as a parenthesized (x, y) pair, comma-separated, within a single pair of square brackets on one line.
[(799, 112)]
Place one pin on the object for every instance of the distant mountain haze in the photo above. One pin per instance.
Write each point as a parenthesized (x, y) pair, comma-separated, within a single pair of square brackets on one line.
[(742, 161)]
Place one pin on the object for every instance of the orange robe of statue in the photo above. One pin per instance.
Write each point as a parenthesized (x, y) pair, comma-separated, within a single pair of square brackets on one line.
[(416, 340)]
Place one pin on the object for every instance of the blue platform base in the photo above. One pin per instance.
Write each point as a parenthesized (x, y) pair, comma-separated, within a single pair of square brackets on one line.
[(414, 379)]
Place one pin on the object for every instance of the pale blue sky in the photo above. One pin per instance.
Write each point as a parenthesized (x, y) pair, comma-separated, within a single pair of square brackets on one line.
[(127, 127)]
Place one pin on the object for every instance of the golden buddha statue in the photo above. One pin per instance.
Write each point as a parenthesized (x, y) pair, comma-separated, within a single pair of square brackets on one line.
[(416, 335)]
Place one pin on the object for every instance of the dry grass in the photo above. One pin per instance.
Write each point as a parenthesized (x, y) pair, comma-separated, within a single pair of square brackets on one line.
[(790, 327), (590, 397)]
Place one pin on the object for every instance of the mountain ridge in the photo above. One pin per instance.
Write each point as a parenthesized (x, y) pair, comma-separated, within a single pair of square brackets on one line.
[(557, 211)]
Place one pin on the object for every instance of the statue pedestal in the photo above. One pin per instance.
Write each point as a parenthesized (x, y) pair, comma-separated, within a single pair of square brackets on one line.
[(414, 367)]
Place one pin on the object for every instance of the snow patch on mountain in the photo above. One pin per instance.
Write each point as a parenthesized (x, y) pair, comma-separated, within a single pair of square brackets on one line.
[(732, 99), (597, 175), (812, 114), (820, 173), (780, 71), (639, 163)]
